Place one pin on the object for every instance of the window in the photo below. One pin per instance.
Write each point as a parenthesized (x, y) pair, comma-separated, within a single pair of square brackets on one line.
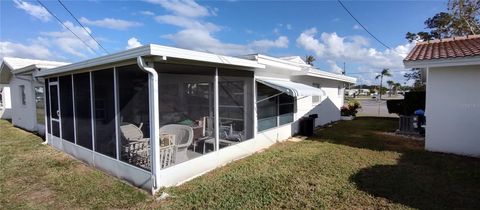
[(134, 115), (83, 118), (47, 105), (235, 108), (273, 108), (316, 99), (23, 98), (186, 95), (104, 112), (40, 104), (339, 90), (66, 106), (285, 109)]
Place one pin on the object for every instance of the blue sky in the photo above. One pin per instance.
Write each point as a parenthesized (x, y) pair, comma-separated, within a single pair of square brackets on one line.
[(277, 28)]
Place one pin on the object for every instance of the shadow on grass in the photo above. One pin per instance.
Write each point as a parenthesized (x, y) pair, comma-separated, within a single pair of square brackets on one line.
[(367, 133), (425, 180), (420, 179)]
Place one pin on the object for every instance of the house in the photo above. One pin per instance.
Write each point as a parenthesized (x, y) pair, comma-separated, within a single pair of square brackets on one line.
[(22, 93), (452, 68), (158, 116), (357, 92)]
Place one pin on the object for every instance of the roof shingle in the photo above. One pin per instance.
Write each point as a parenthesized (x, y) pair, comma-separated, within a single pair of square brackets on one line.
[(445, 48)]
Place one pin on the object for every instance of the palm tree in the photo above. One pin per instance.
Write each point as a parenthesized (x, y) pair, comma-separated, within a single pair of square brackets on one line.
[(309, 59), (397, 86), (385, 72), (390, 86)]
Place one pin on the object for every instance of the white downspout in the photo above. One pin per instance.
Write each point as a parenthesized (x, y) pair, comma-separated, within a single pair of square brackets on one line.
[(154, 118)]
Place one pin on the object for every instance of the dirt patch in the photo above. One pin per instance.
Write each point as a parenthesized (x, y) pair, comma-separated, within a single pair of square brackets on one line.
[(411, 137)]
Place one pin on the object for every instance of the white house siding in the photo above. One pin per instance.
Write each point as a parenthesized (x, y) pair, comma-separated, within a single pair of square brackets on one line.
[(453, 110), (24, 116), (6, 107), (328, 109)]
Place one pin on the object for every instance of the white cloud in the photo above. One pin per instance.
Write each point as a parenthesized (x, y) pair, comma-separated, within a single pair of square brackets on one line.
[(31, 50), (197, 34), (265, 44), (132, 43), (203, 41), (186, 8), (36, 11), (147, 13), (186, 22), (68, 42), (352, 49), (111, 23), (310, 43), (334, 67)]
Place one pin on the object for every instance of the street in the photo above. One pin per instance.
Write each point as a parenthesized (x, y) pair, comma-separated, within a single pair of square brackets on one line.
[(374, 107)]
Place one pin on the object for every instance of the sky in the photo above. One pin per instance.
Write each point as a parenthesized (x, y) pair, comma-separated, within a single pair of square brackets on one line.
[(276, 28)]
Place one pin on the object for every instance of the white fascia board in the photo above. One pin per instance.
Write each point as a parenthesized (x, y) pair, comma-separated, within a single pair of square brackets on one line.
[(25, 69), (300, 69), (153, 50), (116, 57), (332, 76), (446, 62), (279, 63), (158, 50)]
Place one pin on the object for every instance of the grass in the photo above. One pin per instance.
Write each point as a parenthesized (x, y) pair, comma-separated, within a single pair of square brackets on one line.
[(352, 164), (35, 176)]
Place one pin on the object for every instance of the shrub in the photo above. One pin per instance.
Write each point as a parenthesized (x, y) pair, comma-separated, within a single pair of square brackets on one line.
[(413, 101), (351, 108)]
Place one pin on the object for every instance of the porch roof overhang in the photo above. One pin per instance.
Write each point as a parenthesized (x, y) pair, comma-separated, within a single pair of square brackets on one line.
[(292, 88), (155, 51)]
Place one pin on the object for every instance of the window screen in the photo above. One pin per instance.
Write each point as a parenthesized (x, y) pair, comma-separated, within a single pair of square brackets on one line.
[(83, 118), (104, 104)]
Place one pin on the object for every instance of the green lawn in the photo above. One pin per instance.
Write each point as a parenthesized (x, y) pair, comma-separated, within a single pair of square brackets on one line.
[(349, 165)]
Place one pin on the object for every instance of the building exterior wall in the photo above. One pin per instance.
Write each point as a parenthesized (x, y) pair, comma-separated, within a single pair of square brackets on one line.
[(23, 115), (328, 109), (6, 107), (453, 110)]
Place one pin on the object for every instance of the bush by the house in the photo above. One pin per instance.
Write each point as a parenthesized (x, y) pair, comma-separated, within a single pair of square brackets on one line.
[(351, 108)]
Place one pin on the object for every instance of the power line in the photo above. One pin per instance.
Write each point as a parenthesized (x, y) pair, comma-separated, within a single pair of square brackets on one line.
[(58, 19), (363, 26), (82, 26)]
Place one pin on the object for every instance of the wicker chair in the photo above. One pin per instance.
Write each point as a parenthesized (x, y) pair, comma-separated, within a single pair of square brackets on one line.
[(135, 149), (183, 139)]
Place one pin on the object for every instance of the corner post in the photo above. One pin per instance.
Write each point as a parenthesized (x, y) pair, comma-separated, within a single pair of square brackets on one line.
[(154, 119), (216, 111)]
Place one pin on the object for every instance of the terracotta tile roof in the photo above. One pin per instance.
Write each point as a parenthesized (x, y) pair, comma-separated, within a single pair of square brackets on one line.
[(446, 48)]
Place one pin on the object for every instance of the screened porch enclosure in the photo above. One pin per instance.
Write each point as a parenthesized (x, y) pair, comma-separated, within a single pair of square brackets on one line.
[(188, 110), (104, 116)]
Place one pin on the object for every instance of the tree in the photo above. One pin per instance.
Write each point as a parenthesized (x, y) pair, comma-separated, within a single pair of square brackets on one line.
[(461, 19), (415, 75), (309, 59), (390, 84), (396, 87), (386, 73)]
